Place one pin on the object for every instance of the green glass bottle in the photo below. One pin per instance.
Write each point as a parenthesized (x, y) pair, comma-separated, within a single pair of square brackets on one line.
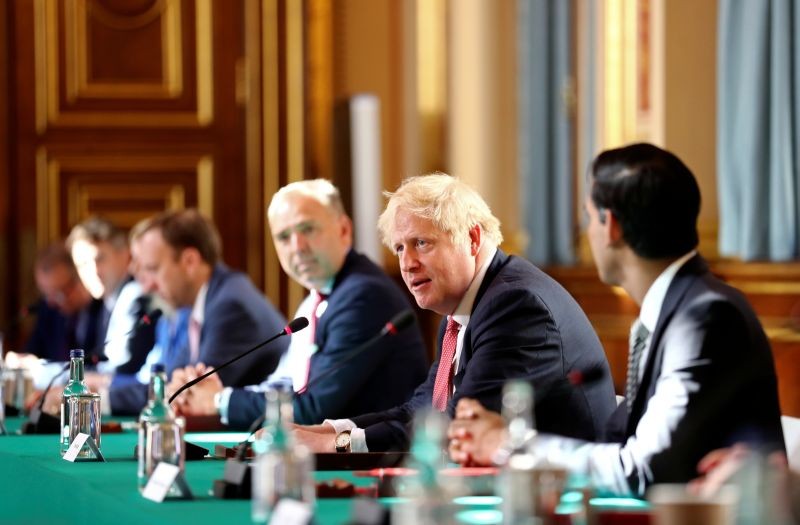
[(76, 386), (156, 412)]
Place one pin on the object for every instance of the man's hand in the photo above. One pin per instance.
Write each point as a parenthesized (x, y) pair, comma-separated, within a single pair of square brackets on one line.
[(317, 438), (475, 434), (316, 441), (199, 399), (52, 401)]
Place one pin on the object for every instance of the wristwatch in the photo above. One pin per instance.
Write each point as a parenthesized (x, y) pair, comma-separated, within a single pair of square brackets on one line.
[(342, 441)]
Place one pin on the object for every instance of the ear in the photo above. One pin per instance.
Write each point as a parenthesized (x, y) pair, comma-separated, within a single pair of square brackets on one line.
[(346, 227), (613, 228), (190, 258), (475, 238)]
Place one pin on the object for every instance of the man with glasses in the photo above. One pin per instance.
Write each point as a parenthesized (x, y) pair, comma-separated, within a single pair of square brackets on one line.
[(67, 316)]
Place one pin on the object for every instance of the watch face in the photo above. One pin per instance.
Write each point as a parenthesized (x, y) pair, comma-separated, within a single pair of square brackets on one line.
[(342, 440)]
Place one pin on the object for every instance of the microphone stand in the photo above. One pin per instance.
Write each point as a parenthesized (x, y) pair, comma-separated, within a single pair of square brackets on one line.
[(236, 479)]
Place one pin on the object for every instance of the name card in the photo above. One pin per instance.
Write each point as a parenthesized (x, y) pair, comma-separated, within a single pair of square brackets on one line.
[(76, 446), (162, 479), (291, 512)]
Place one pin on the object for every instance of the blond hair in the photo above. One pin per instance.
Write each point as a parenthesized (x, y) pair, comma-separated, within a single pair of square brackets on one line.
[(450, 204), (321, 190)]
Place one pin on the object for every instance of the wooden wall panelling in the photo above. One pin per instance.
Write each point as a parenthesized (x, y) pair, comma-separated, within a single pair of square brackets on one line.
[(124, 108)]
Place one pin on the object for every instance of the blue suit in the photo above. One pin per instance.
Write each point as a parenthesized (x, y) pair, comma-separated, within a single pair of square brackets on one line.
[(237, 317), (523, 325), (362, 300)]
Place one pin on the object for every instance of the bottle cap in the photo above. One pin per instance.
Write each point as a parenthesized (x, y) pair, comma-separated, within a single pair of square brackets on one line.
[(158, 368), (76, 353)]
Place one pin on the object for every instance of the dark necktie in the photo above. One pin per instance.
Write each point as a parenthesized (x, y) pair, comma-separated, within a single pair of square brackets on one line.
[(639, 334)]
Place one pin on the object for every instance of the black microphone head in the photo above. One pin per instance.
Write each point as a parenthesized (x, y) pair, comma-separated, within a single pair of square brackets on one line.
[(399, 322), (295, 325), (151, 318)]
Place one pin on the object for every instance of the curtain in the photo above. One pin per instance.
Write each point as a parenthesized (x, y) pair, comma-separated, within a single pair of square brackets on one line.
[(758, 87), (545, 130)]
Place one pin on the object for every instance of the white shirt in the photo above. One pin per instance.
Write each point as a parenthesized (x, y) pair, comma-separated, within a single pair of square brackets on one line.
[(294, 362), (462, 313), (654, 299), (609, 465), (120, 325)]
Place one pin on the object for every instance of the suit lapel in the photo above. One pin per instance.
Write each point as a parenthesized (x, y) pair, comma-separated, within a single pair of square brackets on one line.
[(677, 290), (498, 262)]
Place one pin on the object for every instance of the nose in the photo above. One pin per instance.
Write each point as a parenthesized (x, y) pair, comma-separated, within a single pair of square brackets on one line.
[(299, 243), (408, 261)]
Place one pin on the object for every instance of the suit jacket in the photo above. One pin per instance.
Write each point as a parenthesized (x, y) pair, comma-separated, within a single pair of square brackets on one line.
[(362, 300), (55, 334), (523, 325), (237, 317), (709, 381)]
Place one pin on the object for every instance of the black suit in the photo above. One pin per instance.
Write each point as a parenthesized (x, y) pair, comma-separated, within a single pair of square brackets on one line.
[(362, 300), (55, 334), (708, 382), (523, 325)]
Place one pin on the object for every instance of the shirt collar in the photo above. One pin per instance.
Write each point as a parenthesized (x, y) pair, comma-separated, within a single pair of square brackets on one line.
[(463, 311), (654, 298), (199, 308)]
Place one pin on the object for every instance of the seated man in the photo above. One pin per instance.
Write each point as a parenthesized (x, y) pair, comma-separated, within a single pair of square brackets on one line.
[(101, 249), (179, 258), (67, 317), (505, 319), (700, 371), (350, 300)]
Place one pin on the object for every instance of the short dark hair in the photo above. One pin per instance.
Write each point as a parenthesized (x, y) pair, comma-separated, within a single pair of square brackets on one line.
[(54, 255), (188, 229), (653, 195)]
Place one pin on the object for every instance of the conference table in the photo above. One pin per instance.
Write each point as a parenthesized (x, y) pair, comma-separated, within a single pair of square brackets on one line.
[(38, 486)]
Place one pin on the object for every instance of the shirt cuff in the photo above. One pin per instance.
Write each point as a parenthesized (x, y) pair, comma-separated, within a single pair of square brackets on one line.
[(358, 440), (224, 401), (340, 425)]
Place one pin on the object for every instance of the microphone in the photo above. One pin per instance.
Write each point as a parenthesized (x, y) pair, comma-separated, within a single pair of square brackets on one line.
[(236, 482), (146, 319), (294, 326), (40, 422), (398, 323)]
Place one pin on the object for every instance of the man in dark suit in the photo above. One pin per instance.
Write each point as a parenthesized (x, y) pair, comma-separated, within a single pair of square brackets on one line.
[(505, 319), (700, 372), (180, 255), (350, 300), (67, 316)]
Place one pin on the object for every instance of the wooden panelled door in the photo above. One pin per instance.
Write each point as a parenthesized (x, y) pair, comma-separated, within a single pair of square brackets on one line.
[(123, 108)]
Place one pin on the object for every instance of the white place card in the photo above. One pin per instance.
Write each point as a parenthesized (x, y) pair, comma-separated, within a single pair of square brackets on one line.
[(291, 512), (77, 444), (162, 479)]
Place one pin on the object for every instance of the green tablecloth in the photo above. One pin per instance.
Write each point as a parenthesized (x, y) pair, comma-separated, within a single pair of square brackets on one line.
[(37, 486)]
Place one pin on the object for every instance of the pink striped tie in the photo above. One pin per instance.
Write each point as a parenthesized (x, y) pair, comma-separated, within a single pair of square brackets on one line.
[(443, 386)]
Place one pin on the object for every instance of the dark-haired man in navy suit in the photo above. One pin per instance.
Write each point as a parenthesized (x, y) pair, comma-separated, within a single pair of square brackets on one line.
[(505, 319), (700, 371), (350, 300)]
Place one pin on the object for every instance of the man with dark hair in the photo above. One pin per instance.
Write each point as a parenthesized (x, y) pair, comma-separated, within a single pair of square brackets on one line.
[(179, 255), (700, 371), (67, 316)]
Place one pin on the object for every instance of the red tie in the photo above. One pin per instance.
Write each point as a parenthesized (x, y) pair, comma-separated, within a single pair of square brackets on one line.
[(444, 375)]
